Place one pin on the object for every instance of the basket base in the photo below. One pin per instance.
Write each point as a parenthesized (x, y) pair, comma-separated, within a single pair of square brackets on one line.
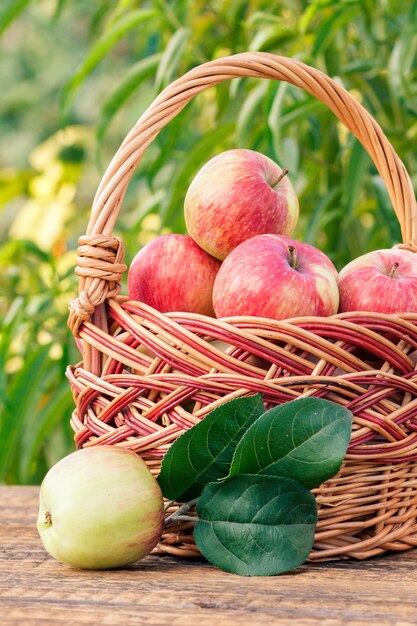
[(159, 374), (364, 511)]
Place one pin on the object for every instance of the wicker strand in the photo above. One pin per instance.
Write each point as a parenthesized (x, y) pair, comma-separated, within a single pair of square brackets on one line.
[(409, 245)]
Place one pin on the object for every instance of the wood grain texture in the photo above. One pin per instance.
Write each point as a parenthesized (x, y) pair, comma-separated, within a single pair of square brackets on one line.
[(161, 591)]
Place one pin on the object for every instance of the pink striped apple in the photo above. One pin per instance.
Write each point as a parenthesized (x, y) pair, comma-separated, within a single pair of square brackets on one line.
[(384, 281), (276, 277), (172, 273), (236, 195)]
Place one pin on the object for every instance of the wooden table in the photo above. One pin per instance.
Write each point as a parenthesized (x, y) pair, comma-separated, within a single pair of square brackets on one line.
[(161, 591)]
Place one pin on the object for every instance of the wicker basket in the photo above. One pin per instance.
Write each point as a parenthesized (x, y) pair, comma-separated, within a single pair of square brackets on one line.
[(146, 376)]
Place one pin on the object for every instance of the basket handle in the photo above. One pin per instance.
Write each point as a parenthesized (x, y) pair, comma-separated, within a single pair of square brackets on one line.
[(100, 255)]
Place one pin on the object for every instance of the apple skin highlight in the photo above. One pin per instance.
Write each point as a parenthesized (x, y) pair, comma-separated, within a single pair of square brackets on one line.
[(236, 195), (383, 281)]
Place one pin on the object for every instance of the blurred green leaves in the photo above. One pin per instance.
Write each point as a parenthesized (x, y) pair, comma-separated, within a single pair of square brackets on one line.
[(35, 401), (110, 37), (76, 76), (10, 11), (140, 72)]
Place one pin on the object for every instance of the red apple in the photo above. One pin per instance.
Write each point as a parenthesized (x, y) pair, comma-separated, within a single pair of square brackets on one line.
[(276, 277), (236, 195), (384, 281), (172, 273)]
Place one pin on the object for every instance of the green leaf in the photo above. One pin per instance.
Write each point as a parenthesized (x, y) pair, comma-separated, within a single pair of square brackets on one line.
[(136, 75), (10, 12), (329, 27), (58, 10), (311, 11), (304, 439), (204, 453), (387, 215), (269, 36), (402, 62), (108, 40), (321, 215), (359, 163), (284, 115), (171, 57), (300, 110), (246, 119), (256, 525), (22, 397), (43, 424)]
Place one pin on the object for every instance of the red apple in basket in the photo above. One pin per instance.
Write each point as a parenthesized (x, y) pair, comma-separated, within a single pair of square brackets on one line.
[(384, 281), (172, 273), (276, 277), (236, 195)]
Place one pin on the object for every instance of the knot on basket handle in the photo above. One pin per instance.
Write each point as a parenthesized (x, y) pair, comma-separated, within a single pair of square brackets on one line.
[(100, 266)]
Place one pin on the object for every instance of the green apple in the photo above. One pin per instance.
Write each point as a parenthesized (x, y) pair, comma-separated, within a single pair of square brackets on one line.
[(100, 508)]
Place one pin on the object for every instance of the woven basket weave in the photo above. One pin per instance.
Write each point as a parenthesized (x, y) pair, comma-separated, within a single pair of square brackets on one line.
[(146, 377)]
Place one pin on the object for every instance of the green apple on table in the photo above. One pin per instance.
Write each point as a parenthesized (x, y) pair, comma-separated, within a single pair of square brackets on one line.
[(100, 508)]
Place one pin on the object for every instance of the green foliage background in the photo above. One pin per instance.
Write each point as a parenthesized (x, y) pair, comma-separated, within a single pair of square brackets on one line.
[(74, 78)]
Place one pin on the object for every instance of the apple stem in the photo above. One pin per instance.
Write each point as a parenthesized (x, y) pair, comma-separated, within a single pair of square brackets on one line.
[(282, 175), (393, 269), (293, 257)]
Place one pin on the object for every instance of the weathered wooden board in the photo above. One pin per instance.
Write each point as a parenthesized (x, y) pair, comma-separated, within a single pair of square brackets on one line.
[(162, 591)]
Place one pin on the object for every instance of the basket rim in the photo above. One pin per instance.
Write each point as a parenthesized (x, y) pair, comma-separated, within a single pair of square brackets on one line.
[(100, 264)]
